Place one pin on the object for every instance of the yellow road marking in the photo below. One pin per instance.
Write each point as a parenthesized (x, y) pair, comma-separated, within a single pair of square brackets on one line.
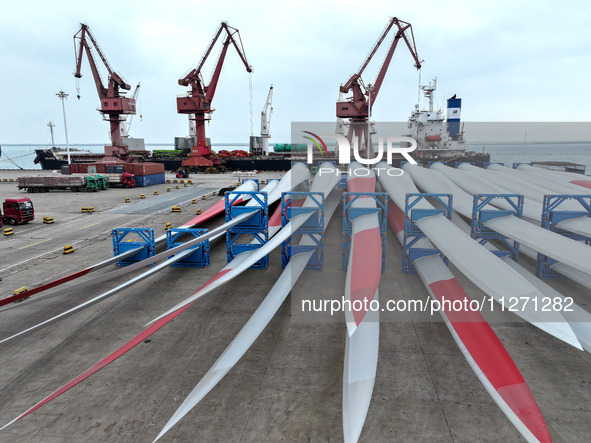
[(94, 224), (33, 244)]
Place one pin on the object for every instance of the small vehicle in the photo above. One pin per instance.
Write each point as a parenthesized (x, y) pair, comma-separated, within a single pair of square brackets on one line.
[(182, 173), (17, 210)]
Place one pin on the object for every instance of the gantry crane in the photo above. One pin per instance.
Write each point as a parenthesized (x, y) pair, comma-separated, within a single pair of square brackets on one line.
[(198, 100), (358, 107), (114, 105), (266, 121)]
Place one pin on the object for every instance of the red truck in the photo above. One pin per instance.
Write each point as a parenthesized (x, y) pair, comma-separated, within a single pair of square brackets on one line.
[(17, 210), (124, 180)]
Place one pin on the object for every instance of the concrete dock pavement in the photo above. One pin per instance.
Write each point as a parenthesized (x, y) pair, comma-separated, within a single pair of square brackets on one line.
[(288, 385)]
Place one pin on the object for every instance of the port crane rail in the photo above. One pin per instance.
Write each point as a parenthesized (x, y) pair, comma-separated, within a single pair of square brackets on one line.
[(114, 104), (357, 108), (197, 101)]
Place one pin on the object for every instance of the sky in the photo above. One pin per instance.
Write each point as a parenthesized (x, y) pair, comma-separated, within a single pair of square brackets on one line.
[(508, 60)]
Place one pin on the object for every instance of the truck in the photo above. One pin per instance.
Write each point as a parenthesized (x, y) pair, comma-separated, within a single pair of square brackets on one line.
[(47, 183), (17, 210), (102, 181), (124, 180)]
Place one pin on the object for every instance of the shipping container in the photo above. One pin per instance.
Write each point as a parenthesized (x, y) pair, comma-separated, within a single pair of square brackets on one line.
[(115, 169), (149, 180), (146, 168), (78, 168)]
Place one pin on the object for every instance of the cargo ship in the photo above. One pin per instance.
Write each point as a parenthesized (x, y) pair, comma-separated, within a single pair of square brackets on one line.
[(439, 138), (54, 158)]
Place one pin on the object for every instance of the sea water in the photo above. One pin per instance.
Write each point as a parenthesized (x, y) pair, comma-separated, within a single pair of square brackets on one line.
[(524, 153), (22, 156)]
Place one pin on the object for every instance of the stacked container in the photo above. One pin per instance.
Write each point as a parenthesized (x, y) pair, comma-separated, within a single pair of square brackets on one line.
[(146, 174)]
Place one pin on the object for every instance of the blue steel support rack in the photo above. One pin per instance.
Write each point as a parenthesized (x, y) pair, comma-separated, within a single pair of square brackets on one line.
[(515, 165), (200, 258), (551, 217), (145, 241), (413, 234), (256, 226), (350, 213), (480, 216), (312, 228)]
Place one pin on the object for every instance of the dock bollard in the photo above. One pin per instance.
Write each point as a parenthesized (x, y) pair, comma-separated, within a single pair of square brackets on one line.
[(190, 182), (184, 185), (127, 200), (194, 201), (198, 211), (168, 226), (204, 197), (155, 192), (142, 196), (175, 181), (48, 220), (176, 187), (176, 209), (8, 231), (168, 189), (87, 209), (213, 193), (181, 181), (68, 249)]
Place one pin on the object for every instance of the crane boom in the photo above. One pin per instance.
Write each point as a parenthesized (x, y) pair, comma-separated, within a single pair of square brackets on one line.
[(266, 114), (115, 80), (197, 102), (113, 101), (357, 107), (266, 122)]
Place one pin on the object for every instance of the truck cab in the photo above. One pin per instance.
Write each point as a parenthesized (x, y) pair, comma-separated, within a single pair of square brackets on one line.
[(92, 184), (102, 181), (17, 210), (128, 180)]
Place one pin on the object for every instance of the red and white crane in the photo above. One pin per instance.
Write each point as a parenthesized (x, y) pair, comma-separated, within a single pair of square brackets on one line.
[(114, 105), (197, 102), (357, 108)]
